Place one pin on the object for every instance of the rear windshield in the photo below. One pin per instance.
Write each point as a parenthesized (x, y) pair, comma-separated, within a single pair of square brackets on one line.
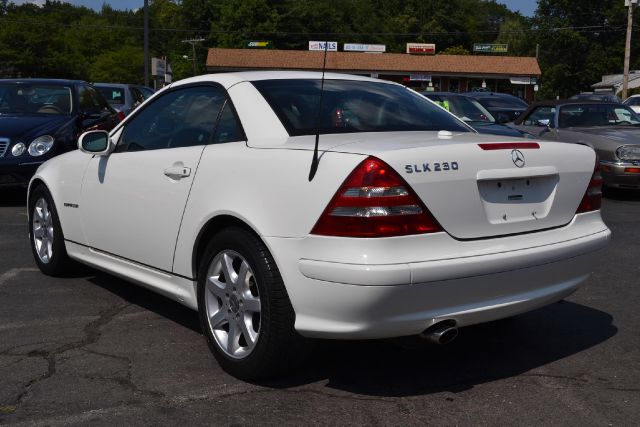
[(352, 106), (113, 95)]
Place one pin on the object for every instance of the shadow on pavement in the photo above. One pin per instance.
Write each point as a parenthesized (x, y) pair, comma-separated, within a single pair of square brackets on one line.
[(408, 366), (146, 299), (13, 197)]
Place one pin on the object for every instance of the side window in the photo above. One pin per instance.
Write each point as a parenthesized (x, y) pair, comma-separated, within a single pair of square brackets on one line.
[(180, 118), (228, 129), (540, 113)]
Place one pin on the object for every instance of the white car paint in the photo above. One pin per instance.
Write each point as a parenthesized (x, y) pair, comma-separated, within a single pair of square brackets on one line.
[(143, 226)]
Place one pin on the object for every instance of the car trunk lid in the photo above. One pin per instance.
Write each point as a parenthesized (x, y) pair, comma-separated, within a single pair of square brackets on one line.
[(479, 186)]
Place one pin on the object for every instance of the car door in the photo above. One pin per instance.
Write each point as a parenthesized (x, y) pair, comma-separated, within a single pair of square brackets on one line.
[(133, 199)]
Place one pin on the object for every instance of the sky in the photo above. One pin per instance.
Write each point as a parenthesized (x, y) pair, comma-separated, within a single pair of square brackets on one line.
[(525, 7)]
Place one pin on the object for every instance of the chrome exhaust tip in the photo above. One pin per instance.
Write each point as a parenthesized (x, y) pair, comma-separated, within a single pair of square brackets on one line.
[(440, 333)]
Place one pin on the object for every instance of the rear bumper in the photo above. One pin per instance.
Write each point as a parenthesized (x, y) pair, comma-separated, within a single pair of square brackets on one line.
[(614, 175), (356, 300)]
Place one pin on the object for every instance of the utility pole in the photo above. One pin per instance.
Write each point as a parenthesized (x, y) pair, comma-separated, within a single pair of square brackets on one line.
[(146, 43), (193, 42), (627, 47)]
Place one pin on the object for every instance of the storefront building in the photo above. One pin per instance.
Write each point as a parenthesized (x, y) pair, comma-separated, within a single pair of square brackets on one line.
[(448, 73)]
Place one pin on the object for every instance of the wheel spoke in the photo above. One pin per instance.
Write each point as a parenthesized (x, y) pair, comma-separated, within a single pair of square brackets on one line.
[(218, 319), (252, 304), (216, 287), (232, 337), (249, 334), (243, 277), (227, 268), (42, 250)]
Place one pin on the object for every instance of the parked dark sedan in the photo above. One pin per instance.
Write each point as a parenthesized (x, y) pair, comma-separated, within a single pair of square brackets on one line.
[(611, 129), (504, 107), (41, 118), (473, 113)]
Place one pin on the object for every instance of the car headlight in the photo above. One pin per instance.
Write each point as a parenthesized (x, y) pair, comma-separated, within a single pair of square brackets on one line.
[(628, 152), (40, 145), (18, 149)]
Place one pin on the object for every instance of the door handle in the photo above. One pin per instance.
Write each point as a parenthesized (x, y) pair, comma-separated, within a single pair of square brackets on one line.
[(177, 172)]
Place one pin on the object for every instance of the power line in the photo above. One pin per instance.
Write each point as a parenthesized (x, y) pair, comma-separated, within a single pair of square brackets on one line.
[(580, 29)]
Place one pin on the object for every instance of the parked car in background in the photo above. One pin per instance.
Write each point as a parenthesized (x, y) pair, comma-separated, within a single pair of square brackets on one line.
[(413, 223), (612, 129), (504, 107), (595, 96), (41, 118), (633, 102), (472, 113), (124, 97)]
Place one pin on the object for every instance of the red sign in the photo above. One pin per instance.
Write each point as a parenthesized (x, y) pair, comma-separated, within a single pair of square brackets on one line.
[(421, 48)]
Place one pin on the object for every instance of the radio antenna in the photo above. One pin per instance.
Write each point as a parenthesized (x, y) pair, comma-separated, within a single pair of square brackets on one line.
[(314, 161)]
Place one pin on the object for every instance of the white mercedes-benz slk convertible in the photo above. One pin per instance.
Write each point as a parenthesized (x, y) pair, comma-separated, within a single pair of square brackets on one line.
[(412, 224)]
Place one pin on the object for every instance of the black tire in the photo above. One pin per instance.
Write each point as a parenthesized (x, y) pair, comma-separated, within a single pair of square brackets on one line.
[(59, 264), (278, 347)]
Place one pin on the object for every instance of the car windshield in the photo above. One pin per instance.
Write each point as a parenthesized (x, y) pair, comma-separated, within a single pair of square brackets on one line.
[(113, 95), (468, 109), (589, 115), (19, 98), (352, 106), (502, 102)]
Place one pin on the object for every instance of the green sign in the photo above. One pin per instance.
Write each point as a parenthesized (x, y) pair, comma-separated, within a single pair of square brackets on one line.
[(490, 48), (259, 44)]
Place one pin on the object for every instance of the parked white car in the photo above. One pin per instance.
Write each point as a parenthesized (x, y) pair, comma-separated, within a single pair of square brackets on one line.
[(633, 102), (413, 224)]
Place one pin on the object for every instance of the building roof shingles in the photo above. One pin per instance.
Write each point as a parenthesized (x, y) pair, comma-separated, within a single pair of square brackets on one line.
[(257, 59)]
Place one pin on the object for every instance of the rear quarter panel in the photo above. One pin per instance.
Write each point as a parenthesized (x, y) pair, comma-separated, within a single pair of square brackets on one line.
[(268, 189)]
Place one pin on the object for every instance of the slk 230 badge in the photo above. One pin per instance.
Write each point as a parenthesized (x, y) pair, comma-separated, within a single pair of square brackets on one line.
[(432, 167)]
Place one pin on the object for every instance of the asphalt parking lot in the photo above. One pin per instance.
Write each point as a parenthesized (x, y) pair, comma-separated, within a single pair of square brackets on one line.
[(96, 349)]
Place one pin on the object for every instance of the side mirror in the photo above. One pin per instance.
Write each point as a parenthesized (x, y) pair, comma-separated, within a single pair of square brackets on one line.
[(544, 122), (95, 142)]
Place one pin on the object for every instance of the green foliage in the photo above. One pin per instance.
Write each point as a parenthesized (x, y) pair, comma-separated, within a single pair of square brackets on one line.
[(125, 65)]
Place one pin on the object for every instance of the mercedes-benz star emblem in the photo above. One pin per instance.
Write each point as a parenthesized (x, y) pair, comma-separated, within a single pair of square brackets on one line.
[(518, 158)]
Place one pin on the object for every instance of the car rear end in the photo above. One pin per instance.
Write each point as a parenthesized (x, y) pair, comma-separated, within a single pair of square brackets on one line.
[(432, 223)]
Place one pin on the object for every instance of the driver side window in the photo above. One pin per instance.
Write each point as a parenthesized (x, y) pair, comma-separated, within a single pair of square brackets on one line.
[(180, 118)]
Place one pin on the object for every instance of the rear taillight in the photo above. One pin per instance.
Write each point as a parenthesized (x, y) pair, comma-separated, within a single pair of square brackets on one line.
[(121, 115), (374, 201), (592, 200)]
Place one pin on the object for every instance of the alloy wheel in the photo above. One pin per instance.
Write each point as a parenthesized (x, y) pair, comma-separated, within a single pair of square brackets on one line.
[(42, 226), (232, 303)]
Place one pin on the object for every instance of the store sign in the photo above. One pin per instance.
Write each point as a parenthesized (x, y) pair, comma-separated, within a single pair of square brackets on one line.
[(519, 80), (332, 46), (158, 67), (420, 77), (260, 44), (356, 47), (490, 48), (421, 48)]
